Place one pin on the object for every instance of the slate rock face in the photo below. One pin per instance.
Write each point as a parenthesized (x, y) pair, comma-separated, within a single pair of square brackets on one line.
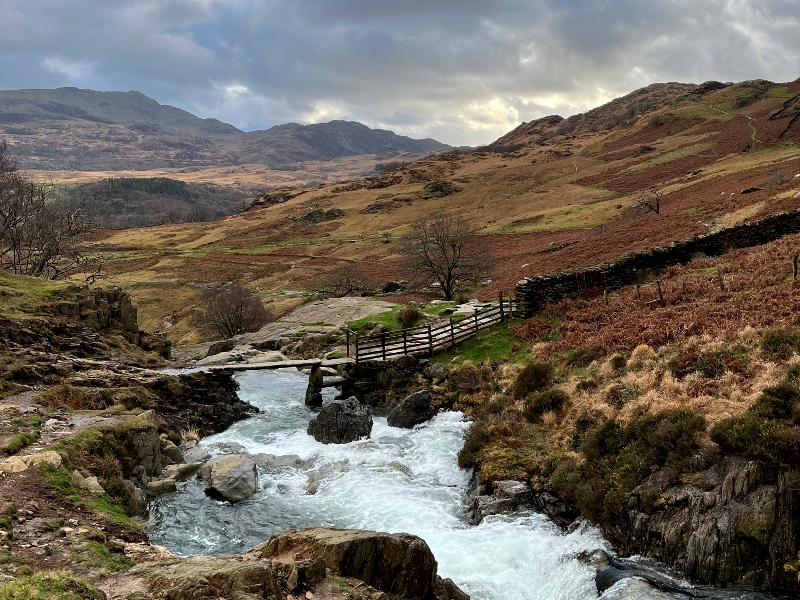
[(412, 410), (340, 422)]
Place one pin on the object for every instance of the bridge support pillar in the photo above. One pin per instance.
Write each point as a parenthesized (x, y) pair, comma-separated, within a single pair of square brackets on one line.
[(314, 389)]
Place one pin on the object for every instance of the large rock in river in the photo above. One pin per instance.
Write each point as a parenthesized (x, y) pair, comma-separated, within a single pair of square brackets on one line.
[(341, 421), (233, 478), (413, 410), (399, 564)]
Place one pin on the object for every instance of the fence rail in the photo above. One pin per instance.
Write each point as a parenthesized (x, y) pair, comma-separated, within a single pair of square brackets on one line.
[(427, 340)]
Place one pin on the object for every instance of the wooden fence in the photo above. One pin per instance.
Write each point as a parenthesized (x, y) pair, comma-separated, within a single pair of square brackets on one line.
[(427, 340)]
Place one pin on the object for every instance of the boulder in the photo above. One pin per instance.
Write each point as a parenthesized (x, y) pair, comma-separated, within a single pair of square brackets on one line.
[(16, 464), (412, 410), (436, 372), (233, 478), (92, 485), (314, 390), (220, 347), (340, 422), (171, 451), (138, 500), (182, 472), (203, 577), (157, 487), (192, 453), (400, 564)]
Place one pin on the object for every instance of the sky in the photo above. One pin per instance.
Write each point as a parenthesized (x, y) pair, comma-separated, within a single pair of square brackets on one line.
[(462, 71)]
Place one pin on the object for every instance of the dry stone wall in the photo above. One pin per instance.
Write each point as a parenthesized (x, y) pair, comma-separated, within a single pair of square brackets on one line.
[(535, 292)]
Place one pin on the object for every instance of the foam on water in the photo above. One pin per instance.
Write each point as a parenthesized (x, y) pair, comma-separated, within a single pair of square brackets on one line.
[(397, 481)]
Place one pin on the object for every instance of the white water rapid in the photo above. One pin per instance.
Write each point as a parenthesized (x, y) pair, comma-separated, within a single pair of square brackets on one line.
[(397, 481)]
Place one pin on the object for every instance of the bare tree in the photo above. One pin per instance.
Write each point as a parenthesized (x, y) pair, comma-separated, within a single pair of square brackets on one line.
[(446, 250), (648, 200), (344, 280), (40, 235), (233, 309)]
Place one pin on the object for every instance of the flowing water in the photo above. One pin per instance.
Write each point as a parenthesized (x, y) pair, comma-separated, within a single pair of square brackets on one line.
[(397, 481)]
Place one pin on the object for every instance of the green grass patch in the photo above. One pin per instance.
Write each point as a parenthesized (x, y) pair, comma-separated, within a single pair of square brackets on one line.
[(96, 555), (494, 343), (780, 91), (23, 295), (689, 211), (320, 324), (52, 525), (49, 586), (672, 156), (388, 319), (106, 504), (436, 309), (707, 271), (20, 441)]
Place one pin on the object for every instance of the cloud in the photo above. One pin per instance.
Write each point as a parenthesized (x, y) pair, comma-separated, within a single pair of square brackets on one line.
[(464, 71)]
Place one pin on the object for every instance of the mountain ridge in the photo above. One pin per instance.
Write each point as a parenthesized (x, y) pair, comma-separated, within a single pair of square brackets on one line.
[(81, 129)]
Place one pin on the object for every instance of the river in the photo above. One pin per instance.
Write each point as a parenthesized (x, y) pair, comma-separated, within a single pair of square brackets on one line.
[(397, 481)]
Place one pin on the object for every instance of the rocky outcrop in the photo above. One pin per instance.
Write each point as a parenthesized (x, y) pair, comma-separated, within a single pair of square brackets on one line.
[(398, 564), (735, 522), (412, 410), (380, 383), (233, 478), (340, 422), (436, 372), (206, 401), (200, 577)]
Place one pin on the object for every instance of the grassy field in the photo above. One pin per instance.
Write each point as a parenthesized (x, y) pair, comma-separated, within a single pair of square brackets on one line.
[(539, 209)]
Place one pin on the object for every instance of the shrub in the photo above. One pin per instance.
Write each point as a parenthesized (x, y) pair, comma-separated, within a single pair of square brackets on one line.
[(535, 377), (585, 356), (793, 373), (619, 457), (467, 378), (462, 298), (586, 385), (64, 394), (618, 363), (764, 432), (469, 456), (538, 404), (778, 177), (781, 343), (232, 310), (407, 316)]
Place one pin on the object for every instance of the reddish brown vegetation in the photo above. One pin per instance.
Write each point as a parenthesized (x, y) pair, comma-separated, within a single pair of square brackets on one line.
[(758, 293)]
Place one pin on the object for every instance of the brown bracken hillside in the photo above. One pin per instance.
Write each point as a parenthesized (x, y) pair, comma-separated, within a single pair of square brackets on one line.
[(552, 194)]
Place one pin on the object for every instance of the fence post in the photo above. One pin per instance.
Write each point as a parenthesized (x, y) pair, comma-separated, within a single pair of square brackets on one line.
[(430, 341), (501, 307), (794, 267), (660, 297), (476, 320), (347, 335), (405, 343), (719, 277), (510, 307), (452, 335), (383, 344)]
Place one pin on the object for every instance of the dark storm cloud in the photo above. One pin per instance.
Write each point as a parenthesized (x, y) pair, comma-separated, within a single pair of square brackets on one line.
[(465, 71)]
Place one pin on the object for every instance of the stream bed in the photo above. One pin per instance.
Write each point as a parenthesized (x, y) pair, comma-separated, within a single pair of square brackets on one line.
[(398, 481)]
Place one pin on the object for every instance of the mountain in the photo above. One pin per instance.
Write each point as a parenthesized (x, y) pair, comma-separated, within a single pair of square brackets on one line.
[(75, 129)]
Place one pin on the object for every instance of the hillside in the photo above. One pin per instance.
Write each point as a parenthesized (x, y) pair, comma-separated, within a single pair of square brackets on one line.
[(85, 130), (550, 204)]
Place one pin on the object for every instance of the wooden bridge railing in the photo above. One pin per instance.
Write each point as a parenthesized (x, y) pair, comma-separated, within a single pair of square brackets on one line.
[(427, 340)]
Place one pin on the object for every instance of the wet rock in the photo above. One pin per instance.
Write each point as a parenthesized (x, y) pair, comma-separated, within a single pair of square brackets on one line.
[(633, 588), (340, 422), (233, 478), (230, 448), (272, 462), (182, 472), (314, 390), (157, 487), (506, 496), (171, 451), (412, 410), (138, 499), (436, 372), (192, 453)]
